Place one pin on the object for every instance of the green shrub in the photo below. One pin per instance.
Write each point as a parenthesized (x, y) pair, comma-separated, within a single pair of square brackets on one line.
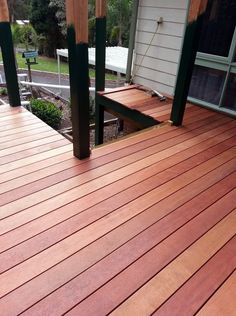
[(3, 91), (47, 112)]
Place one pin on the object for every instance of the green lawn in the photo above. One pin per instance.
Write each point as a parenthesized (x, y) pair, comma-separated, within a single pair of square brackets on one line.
[(50, 65)]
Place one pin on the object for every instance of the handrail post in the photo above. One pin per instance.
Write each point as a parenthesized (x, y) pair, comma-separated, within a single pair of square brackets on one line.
[(190, 45), (77, 36), (100, 66), (8, 56)]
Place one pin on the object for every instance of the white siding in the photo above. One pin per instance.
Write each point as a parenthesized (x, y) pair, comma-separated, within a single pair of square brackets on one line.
[(159, 67)]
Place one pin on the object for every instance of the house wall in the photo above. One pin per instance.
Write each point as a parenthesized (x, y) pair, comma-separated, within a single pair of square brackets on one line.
[(160, 65)]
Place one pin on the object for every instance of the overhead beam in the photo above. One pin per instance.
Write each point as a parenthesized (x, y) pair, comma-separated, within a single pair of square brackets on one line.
[(196, 12), (8, 55), (77, 36), (100, 66)]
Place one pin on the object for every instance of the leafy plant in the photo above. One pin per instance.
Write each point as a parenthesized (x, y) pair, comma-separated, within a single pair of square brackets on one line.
[(3, 91), (91, 109), (24, 34), (47, 112)]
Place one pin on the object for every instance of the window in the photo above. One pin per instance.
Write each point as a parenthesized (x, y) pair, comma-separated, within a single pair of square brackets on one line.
[(234, 59), (218, 26), (207, 84), (229, 100), (213, 82)]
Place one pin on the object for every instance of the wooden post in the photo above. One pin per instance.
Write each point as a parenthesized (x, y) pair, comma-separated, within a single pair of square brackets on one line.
[(100, 66), (77, 35), (189, 51), (8, 55)]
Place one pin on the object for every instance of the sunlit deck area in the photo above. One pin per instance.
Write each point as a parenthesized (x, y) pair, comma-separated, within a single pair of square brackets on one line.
[(146, 225)]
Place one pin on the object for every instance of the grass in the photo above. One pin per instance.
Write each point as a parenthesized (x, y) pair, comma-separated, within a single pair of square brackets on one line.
[(50, 65)]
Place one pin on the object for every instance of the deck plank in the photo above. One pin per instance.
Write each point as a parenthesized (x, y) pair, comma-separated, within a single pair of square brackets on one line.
[(16, 131), (44, 145), (70, 193), (94, 231), (165, 283), (35, 142), (146, 184), (73, 231), (203, 284), (84, 284), (113, 165), (223, 302), (21, 123), (21, 138)]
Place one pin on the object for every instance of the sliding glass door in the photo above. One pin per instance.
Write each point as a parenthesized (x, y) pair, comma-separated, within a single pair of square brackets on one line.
[(214, 78)]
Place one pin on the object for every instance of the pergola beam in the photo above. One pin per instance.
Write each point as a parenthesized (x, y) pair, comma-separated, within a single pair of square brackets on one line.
[(8, 55), (190, 46), (77, 35)]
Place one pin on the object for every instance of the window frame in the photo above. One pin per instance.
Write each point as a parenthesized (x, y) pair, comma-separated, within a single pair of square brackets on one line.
[(220, 63)]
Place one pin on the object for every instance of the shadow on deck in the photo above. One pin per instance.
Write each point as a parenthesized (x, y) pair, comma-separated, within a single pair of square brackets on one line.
[(146, 225)]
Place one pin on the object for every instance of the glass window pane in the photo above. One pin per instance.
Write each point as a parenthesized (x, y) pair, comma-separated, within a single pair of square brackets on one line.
[(207, 84), (229, 100), (218, 27)]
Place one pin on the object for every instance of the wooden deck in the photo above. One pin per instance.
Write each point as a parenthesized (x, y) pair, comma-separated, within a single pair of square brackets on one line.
[(134, 100), (135, 105), (147, 225)]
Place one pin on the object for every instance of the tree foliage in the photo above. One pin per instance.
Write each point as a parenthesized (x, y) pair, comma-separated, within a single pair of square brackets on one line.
[(24, 34), (44, 20), (19, 9), (60, 8), (118, 20)]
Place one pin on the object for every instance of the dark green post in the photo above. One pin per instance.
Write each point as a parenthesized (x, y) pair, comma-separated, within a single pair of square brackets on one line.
[(190, 45), (100, 66), (8, 55), (77, 34)]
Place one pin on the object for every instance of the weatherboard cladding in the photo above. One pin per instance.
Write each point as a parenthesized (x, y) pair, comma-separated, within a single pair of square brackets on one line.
[(159, 67)]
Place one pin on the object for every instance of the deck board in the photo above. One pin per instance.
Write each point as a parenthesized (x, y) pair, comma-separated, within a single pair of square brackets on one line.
[(141, 102), (166, 282), (70, 172), (222, 303), (154, 212), (203, 284)]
